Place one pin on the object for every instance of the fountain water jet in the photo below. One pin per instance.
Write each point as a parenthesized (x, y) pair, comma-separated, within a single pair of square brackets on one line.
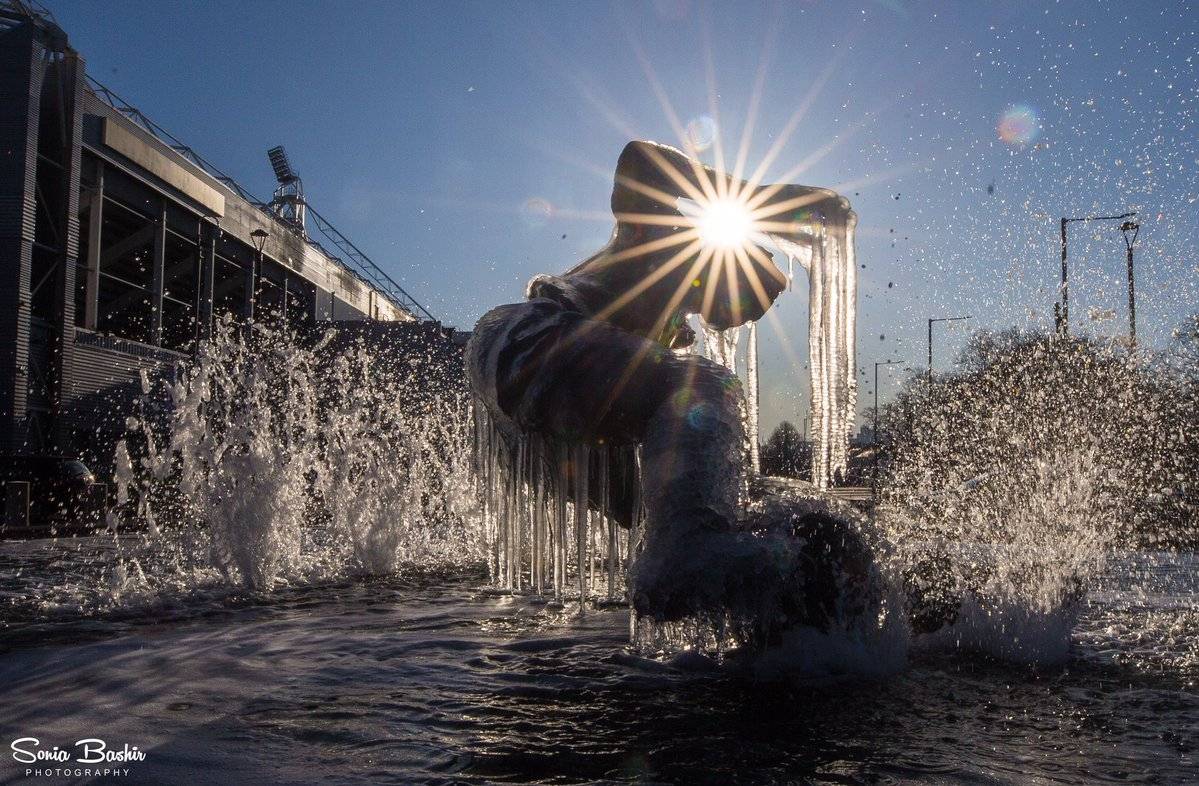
[(267, 460)]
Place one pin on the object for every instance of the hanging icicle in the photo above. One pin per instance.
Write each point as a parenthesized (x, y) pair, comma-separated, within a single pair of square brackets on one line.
[(751, 398), (828, 256)]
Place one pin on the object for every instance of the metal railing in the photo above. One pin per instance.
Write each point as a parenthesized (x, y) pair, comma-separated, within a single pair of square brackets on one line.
[(376, 277)]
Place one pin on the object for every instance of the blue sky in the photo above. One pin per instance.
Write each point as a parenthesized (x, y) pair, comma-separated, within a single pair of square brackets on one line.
[(436, 134)]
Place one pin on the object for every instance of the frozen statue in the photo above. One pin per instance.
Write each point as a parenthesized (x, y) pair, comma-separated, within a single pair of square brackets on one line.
[(593, 355)]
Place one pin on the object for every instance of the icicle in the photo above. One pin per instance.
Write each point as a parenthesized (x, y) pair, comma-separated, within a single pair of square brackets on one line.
[(720, 346), (828, 256), (582, 456), (520, 511), (751, 397), (594, 525), (611, 544), (562, 465), (636, 532), (507, 514), (539, 530), (492, 502), (818, 361)]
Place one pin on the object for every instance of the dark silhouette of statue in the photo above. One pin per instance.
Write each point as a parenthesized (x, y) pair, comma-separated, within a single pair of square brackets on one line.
[(589, 356)]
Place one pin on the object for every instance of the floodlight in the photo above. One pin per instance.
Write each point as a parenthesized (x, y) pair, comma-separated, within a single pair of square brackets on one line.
[(282, 166)]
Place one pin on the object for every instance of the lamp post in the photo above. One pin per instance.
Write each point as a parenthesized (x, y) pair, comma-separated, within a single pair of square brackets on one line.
[(874, 434), (1130, 230), (1065, 312), (930, 339), (258, 236)]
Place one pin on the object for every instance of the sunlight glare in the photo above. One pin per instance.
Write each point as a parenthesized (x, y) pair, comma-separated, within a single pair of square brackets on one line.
[(725, 223)]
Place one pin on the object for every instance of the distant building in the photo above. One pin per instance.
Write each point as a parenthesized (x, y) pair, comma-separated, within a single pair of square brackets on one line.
[(119, 246)]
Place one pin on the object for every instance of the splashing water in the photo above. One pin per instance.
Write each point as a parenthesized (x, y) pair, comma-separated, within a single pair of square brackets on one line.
[(266, 462), (1021, 474)]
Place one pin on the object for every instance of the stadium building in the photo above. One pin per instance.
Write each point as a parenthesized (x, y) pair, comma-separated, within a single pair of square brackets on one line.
[(120, 246)]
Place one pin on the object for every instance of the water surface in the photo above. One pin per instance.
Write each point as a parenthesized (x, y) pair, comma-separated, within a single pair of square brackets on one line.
[(427, 679)]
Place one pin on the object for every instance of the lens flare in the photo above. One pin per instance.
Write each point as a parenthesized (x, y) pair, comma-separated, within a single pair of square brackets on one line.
[(725, 223), (536, 212), (1018, 125), (701, 133)]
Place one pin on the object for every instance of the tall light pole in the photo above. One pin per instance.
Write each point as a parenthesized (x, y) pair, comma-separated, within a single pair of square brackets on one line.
[(930, 339), (1130, 230), (1065, 312), (259, 237), (874, 434)]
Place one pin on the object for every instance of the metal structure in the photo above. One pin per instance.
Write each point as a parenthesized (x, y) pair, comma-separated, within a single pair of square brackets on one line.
[(289, 204), (874, 434), (1130, 230), (359, 264), (288, 201), (371, 272), (1063, 316), (930, 339)]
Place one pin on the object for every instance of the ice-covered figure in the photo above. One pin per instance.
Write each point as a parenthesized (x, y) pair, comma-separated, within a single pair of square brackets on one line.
[(589, 357)]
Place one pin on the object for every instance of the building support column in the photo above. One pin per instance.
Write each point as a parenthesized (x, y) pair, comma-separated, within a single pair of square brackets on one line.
[(95, 223), (157, 276), (21, 71), (208, 234), (70, 78)]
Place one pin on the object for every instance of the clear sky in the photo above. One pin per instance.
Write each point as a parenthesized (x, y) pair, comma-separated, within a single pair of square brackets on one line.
[(468, 146)]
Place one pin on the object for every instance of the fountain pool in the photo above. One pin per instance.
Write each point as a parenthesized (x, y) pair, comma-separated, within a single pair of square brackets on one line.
[(421, 677)]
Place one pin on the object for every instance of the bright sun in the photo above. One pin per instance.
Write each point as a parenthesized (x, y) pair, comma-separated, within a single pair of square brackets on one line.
[(724, 223)]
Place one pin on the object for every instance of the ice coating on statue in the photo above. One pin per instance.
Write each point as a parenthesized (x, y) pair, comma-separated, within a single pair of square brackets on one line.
[(588, 365), (826, 252), (821, 240)]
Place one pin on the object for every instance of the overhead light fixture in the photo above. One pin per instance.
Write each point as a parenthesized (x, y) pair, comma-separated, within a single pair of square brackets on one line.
[(259, 237)]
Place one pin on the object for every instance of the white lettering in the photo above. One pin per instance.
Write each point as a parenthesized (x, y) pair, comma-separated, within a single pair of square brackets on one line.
[(22, 755), (90, 751), (96, 752), (93, 751)]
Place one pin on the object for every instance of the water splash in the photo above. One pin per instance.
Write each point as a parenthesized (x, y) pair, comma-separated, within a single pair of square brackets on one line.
[(266, 462), (1024, 471)]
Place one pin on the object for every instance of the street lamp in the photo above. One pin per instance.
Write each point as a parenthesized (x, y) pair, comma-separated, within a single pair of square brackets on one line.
[(874, 435), (1130, 230), (1065, 312), (258, 236), (930, 340)]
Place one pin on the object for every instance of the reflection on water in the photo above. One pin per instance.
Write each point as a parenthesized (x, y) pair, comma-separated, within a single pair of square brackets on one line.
[(428, 679)]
